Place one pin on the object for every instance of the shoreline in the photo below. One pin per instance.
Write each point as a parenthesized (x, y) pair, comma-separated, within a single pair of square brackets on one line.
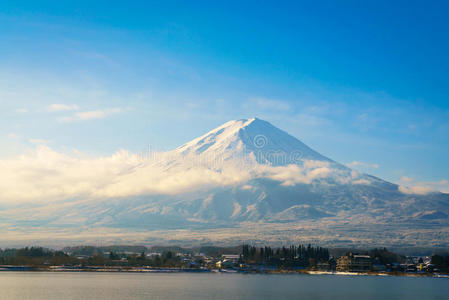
[(102, 269)]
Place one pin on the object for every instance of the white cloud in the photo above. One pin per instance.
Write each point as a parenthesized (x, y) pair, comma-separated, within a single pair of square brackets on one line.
[(406, 179), (92, 114), (38, 141), (408, 185), (45, 175), (315, 164), (417, 190), (361, 181), (362, 164), (294, 174), (247, 187), (12, 135), (57, 107)]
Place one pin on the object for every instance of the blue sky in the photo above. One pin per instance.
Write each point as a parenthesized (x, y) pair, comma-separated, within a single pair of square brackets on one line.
[(363, 82)]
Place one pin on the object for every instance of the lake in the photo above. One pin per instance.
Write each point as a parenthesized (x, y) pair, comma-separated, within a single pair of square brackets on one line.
[(44, 285)]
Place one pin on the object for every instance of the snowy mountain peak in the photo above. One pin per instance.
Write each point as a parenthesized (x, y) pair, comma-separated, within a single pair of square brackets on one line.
[(267, 143)]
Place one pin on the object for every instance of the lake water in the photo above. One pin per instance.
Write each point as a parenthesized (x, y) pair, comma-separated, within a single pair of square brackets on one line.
[(42, 285)]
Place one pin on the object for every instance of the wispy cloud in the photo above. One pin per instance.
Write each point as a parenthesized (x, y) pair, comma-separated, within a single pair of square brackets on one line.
[(409, 185), (293, 174), (57, 107), (38, 141), (355, 164), (415, 190), (406, 179), (91, 114), (21, 110)]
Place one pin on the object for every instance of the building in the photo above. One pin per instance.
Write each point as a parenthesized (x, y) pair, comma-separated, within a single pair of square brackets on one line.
[(232, 257), (228, 261), (354, 263), (323, 266), (153, 255)]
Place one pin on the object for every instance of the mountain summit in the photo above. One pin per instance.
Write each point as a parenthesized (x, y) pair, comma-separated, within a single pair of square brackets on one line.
[(253, 136)]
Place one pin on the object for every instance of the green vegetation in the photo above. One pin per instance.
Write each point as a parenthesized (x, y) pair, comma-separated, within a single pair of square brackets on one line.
[(441, 262), (291, 257), (384, 257), (35, 256), (84, 256)]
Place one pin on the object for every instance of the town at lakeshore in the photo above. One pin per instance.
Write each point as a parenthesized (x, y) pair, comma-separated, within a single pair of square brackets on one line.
[(245, 259)]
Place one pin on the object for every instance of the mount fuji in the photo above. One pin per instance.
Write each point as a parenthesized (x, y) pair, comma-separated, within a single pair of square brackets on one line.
[(244, 181)]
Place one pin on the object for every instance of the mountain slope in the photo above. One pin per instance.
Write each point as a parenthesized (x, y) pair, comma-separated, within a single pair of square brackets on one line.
[(239, 138)]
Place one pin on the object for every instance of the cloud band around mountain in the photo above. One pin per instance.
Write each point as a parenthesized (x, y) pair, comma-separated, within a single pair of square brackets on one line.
[(45, 175)]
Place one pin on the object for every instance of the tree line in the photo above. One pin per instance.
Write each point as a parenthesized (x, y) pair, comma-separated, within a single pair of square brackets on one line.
[(35, 256), (292, 256), (440, 262), (38, 256)]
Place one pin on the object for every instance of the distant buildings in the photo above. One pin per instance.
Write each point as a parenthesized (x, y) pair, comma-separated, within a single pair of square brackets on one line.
[(354, 263), (228, 261), (153, 255)]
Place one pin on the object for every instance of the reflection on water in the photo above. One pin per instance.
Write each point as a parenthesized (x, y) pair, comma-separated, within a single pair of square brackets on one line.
[(36, 285)]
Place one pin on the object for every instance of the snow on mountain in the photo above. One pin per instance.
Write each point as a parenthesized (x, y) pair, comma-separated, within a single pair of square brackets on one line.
[(239, 138)]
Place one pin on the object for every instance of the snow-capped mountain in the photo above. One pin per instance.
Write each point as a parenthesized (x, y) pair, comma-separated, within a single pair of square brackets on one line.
[(246, 180), (239, 138)]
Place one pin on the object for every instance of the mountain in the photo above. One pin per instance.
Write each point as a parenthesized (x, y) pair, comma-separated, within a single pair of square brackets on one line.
[(244, 181), (240, 138)]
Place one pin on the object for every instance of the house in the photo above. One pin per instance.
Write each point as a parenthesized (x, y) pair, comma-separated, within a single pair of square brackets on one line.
[(323, 266), (354, 263), (228, 261), (231, 257)]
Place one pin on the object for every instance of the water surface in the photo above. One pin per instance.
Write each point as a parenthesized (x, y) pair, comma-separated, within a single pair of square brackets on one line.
[(49, 286)]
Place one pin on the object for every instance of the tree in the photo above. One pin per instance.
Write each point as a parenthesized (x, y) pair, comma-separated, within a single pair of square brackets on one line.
[(113, 256)]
